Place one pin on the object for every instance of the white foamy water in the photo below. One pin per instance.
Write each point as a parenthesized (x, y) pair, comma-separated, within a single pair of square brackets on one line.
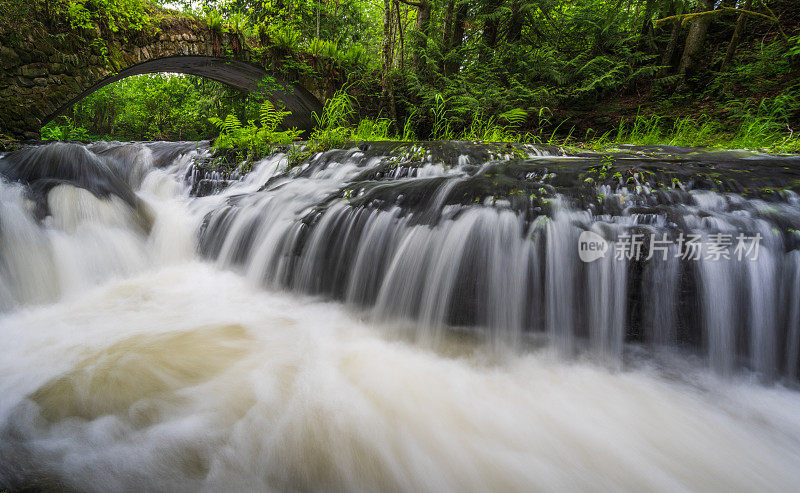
[(187, 378), (141, 367)]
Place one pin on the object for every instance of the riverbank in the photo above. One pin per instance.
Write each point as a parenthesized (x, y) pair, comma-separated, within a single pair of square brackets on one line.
[(760, 133)]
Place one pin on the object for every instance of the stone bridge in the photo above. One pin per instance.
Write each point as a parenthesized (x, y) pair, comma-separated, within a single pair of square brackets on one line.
[(44, 73)]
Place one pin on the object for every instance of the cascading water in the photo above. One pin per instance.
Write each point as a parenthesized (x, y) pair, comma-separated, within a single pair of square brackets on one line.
[(398, 317), (411, 241)]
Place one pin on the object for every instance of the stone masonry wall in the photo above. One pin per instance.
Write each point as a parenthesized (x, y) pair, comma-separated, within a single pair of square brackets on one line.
[(41, 71)]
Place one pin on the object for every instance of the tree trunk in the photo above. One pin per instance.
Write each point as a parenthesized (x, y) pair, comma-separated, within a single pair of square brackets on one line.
[(387, 91), (447, 31), (448, 24), (490, 28), (401, 53), (490, 33), (459, 27), (424, 17), (515, 23), (667, 59), (423, 29), (737, 33), (646, 31), (695, 39), (672, 46), (318, 9), (489, 39)]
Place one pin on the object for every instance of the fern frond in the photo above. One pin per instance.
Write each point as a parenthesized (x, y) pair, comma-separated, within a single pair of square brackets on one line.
[(217, 122), (516, 116), (231, 124), (270, 117)]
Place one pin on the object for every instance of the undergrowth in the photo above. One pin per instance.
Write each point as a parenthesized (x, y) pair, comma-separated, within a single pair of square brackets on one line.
[(254, 139), (63, 128), (763, 127)]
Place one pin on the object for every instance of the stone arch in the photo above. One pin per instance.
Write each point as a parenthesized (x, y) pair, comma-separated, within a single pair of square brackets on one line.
[(235, 73), (42, 72)]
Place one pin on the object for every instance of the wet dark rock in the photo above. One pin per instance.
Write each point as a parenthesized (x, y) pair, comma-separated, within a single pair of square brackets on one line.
[(47, 166)]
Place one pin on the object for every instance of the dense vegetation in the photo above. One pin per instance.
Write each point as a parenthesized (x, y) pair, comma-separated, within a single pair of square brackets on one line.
[(688, 72), (154, 107)]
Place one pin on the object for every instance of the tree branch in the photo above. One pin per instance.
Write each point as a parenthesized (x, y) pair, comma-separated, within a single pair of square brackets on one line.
[(780, 29), (687, 18), (413, 4)]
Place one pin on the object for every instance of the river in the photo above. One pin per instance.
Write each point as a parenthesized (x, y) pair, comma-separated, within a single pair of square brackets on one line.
[(252, 339)]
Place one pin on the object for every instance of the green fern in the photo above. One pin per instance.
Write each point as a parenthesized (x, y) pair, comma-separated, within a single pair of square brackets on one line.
[(251, 140), (219, 123), (214, 20), (514, 117), (231, 124), (227, 126), (270, 117)]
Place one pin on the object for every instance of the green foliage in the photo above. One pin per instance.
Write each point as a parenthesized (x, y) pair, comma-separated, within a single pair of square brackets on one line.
[(794, 47), (508, 70), (107, 15), (250, 139), (760, 130), (515, 117), (767, 125), (214, 19), (324, 49), (353, 58), (65, 130), (237, 22), (408, 128), (441, 124), (370, 130), (226, 126), (487, 130), (655, 130), (270, 117), (285, 38), (332, 124), (160, 106)]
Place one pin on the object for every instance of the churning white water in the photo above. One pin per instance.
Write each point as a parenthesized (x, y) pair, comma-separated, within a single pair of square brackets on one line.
[(128, 363), (188, 378)]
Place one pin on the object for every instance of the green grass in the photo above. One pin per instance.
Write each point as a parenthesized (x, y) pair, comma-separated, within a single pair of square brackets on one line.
[(335, 125), (754, 132), (758, 129)]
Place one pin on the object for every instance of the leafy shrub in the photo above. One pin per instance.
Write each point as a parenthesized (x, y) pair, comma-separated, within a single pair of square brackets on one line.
[(113, 15), (285, 38), (67, 130), (215, 20), (252, 139), (236, 23)]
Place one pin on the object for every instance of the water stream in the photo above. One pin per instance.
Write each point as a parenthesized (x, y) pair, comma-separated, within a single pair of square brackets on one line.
[(394, 318)]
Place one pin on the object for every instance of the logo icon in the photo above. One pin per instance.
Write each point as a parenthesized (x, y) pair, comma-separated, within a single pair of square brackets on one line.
[(591, 246)]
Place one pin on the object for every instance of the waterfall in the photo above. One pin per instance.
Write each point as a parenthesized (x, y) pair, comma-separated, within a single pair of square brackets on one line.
[(411, 248), (441, 316), (434, 240)]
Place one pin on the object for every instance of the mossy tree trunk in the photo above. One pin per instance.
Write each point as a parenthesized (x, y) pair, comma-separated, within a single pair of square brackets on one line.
[(387, 89), (696, 38), (737, 33)]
